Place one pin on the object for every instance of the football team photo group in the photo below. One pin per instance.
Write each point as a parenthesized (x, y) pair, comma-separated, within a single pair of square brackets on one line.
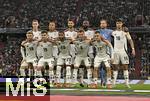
[(67, 57)]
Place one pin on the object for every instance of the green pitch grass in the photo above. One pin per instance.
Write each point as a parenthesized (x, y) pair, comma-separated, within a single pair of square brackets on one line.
[(124, 90)]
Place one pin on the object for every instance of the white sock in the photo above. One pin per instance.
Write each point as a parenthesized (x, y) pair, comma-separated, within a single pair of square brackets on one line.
[(75, 75), (22, 72), (115, 74), (51, 75), (89, 75), (126, 76), (35, 72), (58, 74), (46, 72), (68, 74), (81, 74), (95, 80)]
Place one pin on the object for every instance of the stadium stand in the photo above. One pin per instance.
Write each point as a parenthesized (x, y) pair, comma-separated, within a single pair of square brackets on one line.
[(21, 13)]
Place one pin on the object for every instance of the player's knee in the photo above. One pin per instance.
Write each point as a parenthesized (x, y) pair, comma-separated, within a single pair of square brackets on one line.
[(24, 65), (108, 69), (115, 67), (58, 68), (95, 69), (125, 67), (51, 68)]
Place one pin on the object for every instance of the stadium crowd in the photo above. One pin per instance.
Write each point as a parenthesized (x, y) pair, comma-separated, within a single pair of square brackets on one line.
[(10, 56), (20, 13)]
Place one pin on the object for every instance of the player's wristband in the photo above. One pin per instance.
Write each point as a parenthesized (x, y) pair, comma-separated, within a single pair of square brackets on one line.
[(132, 48)]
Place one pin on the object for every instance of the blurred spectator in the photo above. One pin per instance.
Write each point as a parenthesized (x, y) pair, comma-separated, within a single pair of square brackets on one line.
[(139, 20), (24, 12), (10, 57), (11, 22)]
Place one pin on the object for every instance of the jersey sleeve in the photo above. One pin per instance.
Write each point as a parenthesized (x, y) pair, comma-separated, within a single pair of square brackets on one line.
[(23, 42), (112, 33), (75, 35), (23, 52), (57, 34), (128, 36), (72, 50), (66, 35)]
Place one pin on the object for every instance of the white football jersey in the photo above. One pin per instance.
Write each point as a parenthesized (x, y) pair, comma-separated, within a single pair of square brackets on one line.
[(89, 34), (47, 49), (53, 35), (30, 50), (71, 34), (37, 35), (120, 40)]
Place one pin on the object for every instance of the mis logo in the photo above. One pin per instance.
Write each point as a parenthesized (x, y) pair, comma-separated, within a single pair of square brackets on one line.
[(20, 86)]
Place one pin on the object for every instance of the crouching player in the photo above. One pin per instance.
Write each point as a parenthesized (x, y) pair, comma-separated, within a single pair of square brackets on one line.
[(28, 51), (102, 56), (47, 56), (82, 45), (63, 60)]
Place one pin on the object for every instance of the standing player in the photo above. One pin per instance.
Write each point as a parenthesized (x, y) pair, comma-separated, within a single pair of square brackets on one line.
[(120, 51), (102, 56), (71, 33), (89, 33), (106, 34), (53, 35), (28, 51), (64, 58), (47, 56), (82, 45)]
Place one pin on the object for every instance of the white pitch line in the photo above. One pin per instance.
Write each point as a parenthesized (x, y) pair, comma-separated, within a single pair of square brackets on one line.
[(62, 89), (100, 90), (105, 90), (142, 91)]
